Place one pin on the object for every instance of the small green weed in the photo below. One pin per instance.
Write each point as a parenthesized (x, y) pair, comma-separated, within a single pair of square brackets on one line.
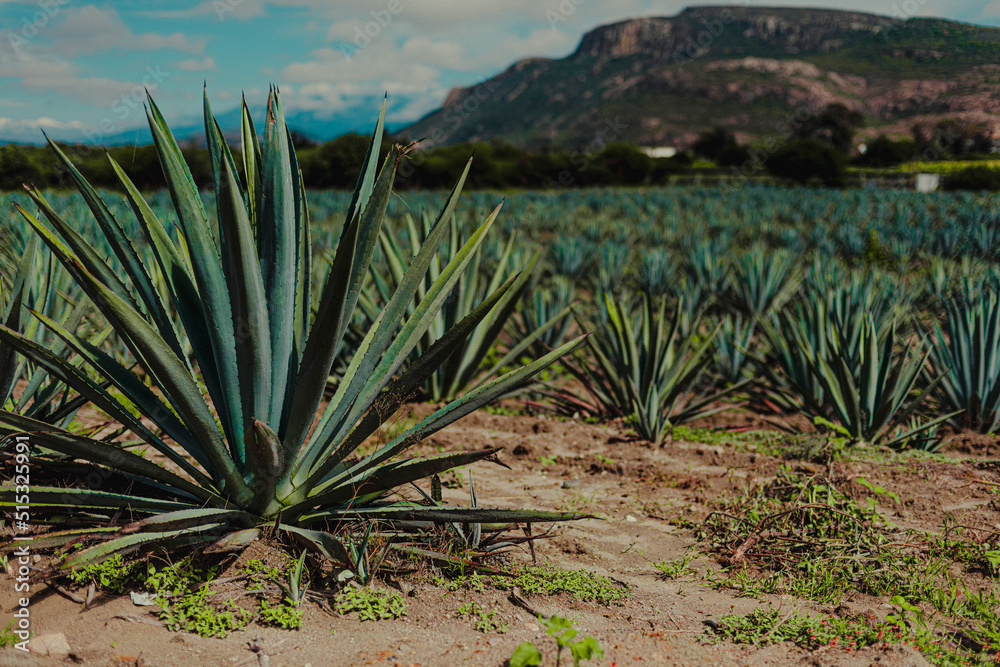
[(564, 633), (473, 582), (282, 615), (260, 574), (186, 610), (370, 604), (112, 574), (678, 567), (769, 443), (485, 621), (194, 613), (800, 536), (983, 556), (878, 490), (582, 585), (547, 460), (176, 579), (546, 580), (7, 636)]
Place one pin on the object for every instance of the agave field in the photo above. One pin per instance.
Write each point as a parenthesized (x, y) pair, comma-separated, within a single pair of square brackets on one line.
[(796, 392)]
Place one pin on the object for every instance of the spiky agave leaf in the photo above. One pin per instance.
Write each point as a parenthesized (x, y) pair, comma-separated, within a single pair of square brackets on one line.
[(246, 445)]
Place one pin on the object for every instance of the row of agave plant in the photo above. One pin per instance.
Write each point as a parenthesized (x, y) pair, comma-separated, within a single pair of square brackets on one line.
[(256, 354), (846, 348), (672, 337)]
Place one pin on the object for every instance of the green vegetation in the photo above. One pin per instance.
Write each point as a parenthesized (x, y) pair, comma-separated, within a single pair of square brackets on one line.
[(486, 621), (967, 358), (807, 161), (977, 177), (336, 164), (7, 636), (185, 598), (113, 574), (767, 626), (800, 536), (282, 615), (544, 580), (371, 604), (678, 567), (648, 370), (580, 584), (463, 370), (212, 339)]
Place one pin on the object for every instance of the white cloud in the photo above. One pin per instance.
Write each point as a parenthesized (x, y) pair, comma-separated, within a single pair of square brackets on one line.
[(206, 64), (329, 83), (30, 130), (991, 11), (220, 9), (38, 75), (544, 42), (89, 29)]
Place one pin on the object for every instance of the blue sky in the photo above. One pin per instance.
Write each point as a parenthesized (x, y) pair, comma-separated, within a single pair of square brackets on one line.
[(78, 69)]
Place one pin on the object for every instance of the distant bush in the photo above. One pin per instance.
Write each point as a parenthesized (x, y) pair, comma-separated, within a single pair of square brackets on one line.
[(714, 143), (886, 152), (809, 160), (733, 156), (973, 178)]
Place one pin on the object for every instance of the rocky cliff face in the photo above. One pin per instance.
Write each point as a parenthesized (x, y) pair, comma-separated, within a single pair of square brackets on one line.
[(663, 80), (791, 31)]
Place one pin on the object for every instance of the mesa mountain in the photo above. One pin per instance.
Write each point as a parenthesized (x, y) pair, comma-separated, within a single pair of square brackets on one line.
[(753, 70)]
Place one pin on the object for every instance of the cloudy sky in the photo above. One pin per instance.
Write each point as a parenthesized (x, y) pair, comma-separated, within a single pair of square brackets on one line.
[(77, 70)]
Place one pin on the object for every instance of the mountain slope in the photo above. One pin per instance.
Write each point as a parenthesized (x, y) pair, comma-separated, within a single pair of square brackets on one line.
[(754, 70)]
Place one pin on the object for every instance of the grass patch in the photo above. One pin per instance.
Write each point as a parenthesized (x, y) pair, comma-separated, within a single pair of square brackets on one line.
[(800, 536), (764, 626)]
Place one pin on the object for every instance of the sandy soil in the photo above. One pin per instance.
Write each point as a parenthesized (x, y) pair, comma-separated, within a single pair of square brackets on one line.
[(555, 464)]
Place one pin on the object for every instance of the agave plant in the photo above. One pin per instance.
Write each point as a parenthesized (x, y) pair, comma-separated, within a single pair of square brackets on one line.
[(731, 347), (544, 314), (250, 445), (645, 369), (854, 372), (464, 369), (966, 353), (42, 396), (613, 261), (763, 281), (706, 270)]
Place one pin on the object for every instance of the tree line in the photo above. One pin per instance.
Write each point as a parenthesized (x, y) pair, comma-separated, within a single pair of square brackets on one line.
[(818, 150)]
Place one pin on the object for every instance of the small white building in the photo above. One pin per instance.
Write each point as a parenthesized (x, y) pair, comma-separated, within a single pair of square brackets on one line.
[(659, 151), (927, 182)]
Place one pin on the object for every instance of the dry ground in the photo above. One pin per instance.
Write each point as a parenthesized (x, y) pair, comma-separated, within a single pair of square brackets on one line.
[(638, 492)]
